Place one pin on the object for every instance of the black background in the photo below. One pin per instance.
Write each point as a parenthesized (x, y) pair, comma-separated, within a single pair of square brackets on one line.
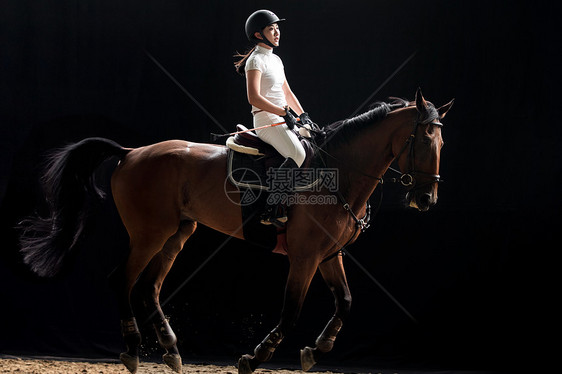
[(473, 271)]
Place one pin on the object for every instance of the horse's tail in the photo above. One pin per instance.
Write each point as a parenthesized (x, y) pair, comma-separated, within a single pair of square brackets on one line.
[(67, 180)]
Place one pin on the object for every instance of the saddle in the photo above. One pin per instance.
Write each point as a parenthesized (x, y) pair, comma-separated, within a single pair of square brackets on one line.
[(250, 158), (249, 143)]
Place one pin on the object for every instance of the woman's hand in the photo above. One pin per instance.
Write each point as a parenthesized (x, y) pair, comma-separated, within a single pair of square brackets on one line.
[(290, 120), (305, 119)]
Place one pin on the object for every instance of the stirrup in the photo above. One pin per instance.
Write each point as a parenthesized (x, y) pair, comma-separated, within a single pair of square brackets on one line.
[(274, 215), (279, 221)]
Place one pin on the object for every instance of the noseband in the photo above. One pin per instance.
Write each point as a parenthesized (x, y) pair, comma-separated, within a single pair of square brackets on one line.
[(408, 179)]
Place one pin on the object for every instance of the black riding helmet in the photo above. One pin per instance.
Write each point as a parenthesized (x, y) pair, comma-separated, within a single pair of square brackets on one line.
[(258, 21)]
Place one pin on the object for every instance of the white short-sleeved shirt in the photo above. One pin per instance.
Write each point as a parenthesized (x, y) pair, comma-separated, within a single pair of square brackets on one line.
[(272, 75)]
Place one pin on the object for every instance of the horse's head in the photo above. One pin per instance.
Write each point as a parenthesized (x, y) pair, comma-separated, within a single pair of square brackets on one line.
[(419, 158)]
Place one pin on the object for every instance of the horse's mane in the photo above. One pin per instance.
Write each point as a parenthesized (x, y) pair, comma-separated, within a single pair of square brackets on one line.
[(342, 131)]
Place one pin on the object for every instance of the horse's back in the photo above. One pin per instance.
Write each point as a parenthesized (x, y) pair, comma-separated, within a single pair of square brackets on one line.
[(163, 183), (169, 154), (174, 148)]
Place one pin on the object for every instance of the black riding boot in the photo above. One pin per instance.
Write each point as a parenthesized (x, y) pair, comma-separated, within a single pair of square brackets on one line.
[(275, 213)]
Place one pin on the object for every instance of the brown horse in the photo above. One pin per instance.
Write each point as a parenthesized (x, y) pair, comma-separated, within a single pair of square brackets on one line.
[(162, 191)]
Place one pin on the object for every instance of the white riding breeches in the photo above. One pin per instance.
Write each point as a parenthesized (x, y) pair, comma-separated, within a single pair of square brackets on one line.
[(280, 137)]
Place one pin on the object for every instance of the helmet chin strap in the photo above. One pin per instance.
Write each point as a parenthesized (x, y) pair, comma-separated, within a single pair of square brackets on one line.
[(266, 41)]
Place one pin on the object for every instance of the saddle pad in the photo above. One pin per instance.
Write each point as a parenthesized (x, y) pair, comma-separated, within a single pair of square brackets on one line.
[(231, 143)]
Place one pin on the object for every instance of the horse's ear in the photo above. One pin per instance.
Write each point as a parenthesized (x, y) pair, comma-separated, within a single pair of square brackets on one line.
[(445, 108), (421, 104)]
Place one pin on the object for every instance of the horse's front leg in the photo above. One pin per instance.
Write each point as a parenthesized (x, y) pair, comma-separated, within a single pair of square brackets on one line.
[(301, 273), (334, 275)]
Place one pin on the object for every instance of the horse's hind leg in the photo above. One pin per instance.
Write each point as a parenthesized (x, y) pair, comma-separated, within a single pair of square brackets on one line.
[(142, 248), (334, 275), (150, 285)]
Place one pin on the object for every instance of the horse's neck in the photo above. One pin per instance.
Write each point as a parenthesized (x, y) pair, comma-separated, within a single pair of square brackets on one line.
[(372, 153)]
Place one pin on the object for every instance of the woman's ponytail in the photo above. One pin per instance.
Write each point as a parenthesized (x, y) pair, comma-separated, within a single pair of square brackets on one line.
[(241, 64)]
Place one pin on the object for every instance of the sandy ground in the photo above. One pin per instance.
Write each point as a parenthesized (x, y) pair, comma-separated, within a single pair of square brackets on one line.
[(35, 366)]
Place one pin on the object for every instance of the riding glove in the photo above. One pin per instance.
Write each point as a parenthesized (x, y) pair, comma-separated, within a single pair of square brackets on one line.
[(290, 120), (305, 119)]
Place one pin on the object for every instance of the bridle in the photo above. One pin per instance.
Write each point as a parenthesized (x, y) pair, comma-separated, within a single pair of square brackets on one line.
[(408, 179)]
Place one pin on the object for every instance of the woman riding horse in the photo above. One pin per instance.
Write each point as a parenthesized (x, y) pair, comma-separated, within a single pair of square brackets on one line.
[(162, 191), (269, 94)]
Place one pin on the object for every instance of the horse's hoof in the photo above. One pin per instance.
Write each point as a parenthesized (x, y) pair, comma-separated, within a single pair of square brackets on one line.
[(307, 358), (173, 361), (244, 365), (130, 362)]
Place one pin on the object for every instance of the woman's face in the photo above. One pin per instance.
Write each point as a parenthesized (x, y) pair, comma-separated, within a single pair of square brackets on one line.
[(272, 33)]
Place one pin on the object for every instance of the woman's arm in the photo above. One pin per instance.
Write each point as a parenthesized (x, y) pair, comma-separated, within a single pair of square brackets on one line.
[(253, 78), (292, 99)]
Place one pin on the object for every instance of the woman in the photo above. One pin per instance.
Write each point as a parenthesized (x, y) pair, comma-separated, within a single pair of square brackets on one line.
[(271, 97)]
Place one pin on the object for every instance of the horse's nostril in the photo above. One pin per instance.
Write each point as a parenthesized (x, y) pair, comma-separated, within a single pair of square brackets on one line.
[(425, 199)]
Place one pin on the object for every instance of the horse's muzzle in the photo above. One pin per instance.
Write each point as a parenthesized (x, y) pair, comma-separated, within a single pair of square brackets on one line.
[(421, 201)]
